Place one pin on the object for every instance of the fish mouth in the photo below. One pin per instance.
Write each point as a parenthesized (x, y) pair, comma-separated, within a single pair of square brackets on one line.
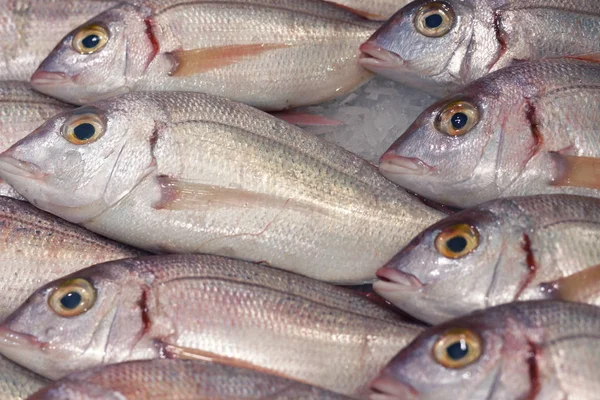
[(385, 387), (11, 166), (373, 56), (46, 78), (393, 164), (17, 340), (391, 278)]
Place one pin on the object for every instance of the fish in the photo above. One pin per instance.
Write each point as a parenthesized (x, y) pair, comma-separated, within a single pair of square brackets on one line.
[(194, 173), (546, 350), (37, 248), (30, 30), (208, 308), (440, 46), (377, 10), (511, 249), (271, 54), (17, 383), (528, 129), (180, 379)]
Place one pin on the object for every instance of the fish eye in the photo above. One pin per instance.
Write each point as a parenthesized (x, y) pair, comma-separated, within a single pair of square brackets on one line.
[(434, 19), (457, 348), (457, 241), (457, 118), (90, 39), (83, 128), (73, 298)]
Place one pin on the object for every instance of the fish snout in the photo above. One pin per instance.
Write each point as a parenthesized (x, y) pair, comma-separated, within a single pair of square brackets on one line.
[(386, 387), (393, 277), (41, 78), (392, 164), (9, 165), (374, 56)]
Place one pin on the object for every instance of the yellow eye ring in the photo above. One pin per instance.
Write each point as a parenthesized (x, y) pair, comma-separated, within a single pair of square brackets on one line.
[(457, 241), (457, 348), (457, 118), (73, 298), (434, 19), (84, 128), (90, 39)]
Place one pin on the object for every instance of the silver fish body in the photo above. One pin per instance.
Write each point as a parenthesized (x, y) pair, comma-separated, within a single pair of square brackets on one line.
[(17, 383), (181, 380), (528, 129), (192, 173), (378, 10), (512, 249), (198, 306), (271, 54), (30, 30), (547, 350), (465, 40), (37, 248)]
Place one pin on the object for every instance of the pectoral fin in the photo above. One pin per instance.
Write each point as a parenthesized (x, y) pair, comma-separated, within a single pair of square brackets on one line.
[(577, 171), (594, 57), (361, 13), (197, 61), (581, 286)]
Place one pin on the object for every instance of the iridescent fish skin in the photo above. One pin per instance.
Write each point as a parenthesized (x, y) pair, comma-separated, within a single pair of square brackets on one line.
[(30, 30), (193, 173), (198, 306), (271, 54), (181, 380), (37, 248), (532, 129), (378, 10), (468, 39), (546, 350), (523, 248)]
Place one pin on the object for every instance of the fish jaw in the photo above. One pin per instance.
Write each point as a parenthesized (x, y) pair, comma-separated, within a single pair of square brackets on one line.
[(391, 165), (17, 169), (381, 61), (386, 387), (27, 351)]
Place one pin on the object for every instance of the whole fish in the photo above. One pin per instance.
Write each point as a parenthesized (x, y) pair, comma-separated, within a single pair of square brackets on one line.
[(272, 54), (206, 307), (441, 45), (543, 350), (181, 380), (528, 129), (36, 248), (22, 111), (17, 383), (524, 248), (193, 173), (378, 10), (30, 30)]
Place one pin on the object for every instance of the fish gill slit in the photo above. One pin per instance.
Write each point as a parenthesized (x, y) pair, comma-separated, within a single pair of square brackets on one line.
[(153, 41), (534, 372), (143, 303), (538, 139), (531, 265), (500, 38)]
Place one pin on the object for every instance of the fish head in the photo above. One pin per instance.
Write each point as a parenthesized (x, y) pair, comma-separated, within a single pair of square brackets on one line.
[(77, 322), (468, 261), (79, 163), (423, 44), (468, 148), (472, 357), (97, 60)]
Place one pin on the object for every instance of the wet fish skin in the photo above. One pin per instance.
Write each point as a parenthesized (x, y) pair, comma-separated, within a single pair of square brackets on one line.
[(271, 54), (17, 383), (181, 379), (378, 10), (207, 306), (37, 248), (533, 117), (201, 174), (525, 246), (30, 30), (485, 37), (546, 350)]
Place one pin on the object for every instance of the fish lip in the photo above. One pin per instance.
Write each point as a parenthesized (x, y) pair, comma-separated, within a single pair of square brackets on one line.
[(377, 57), (11, 166), (10, 338), (394, 164), (390, 278), (388, 388), (49, 78)]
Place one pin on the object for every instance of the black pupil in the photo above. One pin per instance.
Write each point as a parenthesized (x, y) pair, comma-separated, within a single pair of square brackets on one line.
[(433, 21), (458, 350), (84, 131), (457, 244), (459, 120), (71, 300), (90, 41)]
